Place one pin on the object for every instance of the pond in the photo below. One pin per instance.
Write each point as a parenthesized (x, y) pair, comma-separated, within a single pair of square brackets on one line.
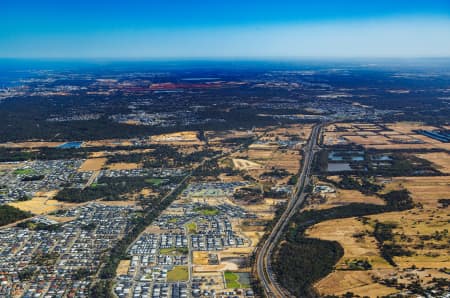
[(346, 155), (381, 157), (70, 145), (338, 167), (357, 158)]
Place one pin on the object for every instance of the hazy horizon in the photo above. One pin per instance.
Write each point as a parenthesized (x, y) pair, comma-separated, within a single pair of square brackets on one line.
[(218, 30)]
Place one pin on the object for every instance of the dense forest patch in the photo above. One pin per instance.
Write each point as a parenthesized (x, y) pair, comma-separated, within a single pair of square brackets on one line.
[(9, 214)]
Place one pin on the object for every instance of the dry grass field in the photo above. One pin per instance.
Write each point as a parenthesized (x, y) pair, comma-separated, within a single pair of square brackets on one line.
[(215, 268), (260, 156), (177, 138), (441, 160), (297, 131), (285, 159), (408, 127), (358, 282), (124, 166), (266, 158), (92, 164), (148, 192), (347, 196), (392, 136), (361, 248), (60, 219), (119, 203), (122, 152), (339, 197), (366, 133), (400, 146), (254, 237), (368, 140), (37, 205), (98, 154), (265, 210), (8, 166), (122, 269), (414, 231), (344, 197), (200, 257), (424, 190), (42, 203), (261, 152), (411, 225), (31, 145), (242, 164), (108, 143), (217, 137), (423, 231)]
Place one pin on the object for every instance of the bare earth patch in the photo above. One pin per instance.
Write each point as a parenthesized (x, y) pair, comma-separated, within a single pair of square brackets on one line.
[(92, 164)]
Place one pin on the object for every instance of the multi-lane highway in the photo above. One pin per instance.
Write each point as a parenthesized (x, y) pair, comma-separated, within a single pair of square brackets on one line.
[(263, 260)]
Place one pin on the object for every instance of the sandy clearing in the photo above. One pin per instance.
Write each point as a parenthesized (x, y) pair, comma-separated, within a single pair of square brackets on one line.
[(92, 164)]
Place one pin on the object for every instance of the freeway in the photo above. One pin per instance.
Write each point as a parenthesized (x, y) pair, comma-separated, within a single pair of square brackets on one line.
[(263, 259)]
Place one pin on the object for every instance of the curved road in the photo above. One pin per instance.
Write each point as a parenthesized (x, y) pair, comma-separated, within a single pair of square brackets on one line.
[(263, 259)]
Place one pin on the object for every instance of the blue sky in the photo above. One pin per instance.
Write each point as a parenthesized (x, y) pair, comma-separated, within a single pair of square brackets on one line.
[(224, 29)]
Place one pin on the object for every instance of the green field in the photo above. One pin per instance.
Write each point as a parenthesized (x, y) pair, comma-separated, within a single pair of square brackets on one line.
[(23, 172), (191, 228), (174, 251), (233, 281), (207, 211), (178, 273), (208, 193), (155, 181)]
